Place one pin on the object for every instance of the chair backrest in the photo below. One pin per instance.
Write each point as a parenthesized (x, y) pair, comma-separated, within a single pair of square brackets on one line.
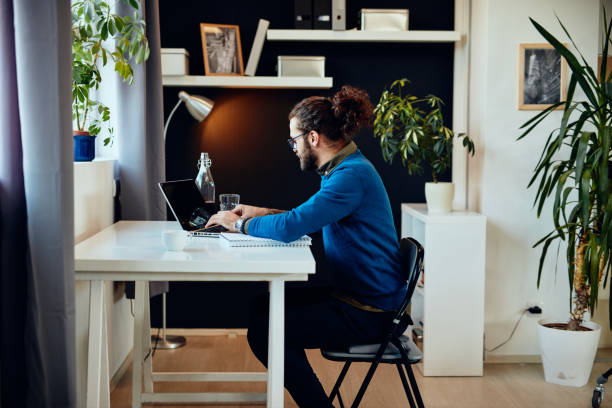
[(411, 255)]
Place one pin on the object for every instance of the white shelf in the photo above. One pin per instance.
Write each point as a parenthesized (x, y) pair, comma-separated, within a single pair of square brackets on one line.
[(419, 211), (451, 303), (248, 81), (364, 36)]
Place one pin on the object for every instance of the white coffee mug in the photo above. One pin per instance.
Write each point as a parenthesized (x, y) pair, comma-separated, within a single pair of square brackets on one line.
[(175, 240)]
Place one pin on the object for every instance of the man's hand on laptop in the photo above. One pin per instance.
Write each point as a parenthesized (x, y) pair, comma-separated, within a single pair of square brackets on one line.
[(249, 211), (225, 218)]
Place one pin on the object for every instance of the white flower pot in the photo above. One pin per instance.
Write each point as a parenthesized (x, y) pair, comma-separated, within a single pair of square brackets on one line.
[(567, 356), (439, 197)]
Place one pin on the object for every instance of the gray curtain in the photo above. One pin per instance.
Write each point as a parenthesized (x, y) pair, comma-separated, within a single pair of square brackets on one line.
[(140, 133), (37, 199), (140, 116), (13, 235)]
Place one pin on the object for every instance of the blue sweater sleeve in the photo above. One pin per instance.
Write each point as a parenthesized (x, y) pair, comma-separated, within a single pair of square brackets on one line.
[(338, 197)]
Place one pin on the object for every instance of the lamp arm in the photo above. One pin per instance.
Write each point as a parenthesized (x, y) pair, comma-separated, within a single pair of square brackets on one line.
[(170, 117)]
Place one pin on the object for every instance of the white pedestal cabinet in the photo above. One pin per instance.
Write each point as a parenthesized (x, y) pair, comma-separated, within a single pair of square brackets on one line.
[(450, 306)]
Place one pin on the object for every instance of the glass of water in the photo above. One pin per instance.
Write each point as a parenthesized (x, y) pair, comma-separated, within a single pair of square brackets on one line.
[(228, 202)]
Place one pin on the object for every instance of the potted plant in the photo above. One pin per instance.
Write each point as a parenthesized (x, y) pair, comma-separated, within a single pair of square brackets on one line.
[(573, 174), (414, 128), (99, 37)]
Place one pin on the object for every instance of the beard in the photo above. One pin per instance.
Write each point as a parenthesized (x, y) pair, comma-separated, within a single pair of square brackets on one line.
[(307, 159)]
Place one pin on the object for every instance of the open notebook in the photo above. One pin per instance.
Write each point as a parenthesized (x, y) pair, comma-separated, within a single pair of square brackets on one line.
[(241, 240)]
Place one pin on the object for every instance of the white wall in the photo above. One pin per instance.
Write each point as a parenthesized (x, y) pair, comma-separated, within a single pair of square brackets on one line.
[(502, 166), (93, 211)]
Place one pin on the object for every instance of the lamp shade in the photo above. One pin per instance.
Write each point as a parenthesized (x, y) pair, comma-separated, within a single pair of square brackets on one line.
[(198, 106)]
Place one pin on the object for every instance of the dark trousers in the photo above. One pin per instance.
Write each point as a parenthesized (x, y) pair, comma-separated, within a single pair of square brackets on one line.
[(313, 320)]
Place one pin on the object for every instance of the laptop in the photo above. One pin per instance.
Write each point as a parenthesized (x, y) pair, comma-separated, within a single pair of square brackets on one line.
[(189, 208)]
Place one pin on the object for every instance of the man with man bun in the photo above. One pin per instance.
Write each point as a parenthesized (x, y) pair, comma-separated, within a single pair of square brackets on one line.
[(353, 212)]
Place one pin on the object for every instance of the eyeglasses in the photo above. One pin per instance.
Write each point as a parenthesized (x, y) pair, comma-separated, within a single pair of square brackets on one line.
[(292, 141)]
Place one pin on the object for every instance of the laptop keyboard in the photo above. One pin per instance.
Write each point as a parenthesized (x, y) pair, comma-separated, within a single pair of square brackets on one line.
[(216, 228), (210, 231)]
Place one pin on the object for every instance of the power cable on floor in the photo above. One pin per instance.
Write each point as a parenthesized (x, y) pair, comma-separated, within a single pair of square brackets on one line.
[(511, 334)]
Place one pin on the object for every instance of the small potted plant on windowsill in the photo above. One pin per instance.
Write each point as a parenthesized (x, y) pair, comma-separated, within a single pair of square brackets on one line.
[(94, 28), (414, 128)]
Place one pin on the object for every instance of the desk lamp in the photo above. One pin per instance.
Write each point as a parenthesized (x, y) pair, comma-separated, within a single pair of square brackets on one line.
[(199, 107)]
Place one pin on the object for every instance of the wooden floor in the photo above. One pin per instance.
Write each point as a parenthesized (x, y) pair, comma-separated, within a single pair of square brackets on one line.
[(503, 385)]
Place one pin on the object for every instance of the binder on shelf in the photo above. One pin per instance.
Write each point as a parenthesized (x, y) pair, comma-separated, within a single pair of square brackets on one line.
[(258, 42), (302, 14), (240, 240), (339, 15), (321, 14)]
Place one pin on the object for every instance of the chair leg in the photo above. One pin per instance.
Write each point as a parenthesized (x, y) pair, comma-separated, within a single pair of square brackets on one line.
[(364, 385), (400, 370), (340, 400), (336, 389), (413, 384)]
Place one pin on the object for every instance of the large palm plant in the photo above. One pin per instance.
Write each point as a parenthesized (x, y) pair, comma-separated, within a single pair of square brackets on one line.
[(578, 182)]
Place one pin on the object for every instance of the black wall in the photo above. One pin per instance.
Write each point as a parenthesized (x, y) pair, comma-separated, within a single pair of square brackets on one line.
[(245, 133)]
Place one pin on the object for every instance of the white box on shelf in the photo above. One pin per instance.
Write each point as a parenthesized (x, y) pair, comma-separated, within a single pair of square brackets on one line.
[(384, 19), (302, 66), (175, 61)]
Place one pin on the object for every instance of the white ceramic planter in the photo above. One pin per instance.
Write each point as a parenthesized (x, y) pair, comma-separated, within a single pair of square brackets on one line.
[(567, 356), (439, 197)]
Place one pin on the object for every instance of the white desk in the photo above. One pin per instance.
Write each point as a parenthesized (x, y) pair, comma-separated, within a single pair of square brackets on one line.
[(133, 251)]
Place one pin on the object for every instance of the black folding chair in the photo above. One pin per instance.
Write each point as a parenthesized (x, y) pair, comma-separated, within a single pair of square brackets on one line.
[(396, 348)]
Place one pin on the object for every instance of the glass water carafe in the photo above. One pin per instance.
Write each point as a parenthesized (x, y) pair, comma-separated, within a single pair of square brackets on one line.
[(204, 179)]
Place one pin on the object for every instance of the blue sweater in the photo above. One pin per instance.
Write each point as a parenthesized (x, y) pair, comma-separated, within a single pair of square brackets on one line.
[(353, 210)]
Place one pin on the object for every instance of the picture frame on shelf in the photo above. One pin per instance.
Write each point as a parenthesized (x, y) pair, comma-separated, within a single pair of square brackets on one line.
[(542, 77), (222, 49)]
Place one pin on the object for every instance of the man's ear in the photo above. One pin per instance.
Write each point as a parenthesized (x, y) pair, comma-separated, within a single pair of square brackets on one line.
[(315, 138)]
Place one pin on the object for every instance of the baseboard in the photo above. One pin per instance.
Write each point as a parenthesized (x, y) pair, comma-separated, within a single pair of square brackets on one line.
[(604, 355), (203, 332), (513, 358), (116, 378)]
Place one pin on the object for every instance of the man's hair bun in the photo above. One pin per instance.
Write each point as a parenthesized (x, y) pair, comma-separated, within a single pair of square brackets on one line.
[(352, 109), (338, 117)]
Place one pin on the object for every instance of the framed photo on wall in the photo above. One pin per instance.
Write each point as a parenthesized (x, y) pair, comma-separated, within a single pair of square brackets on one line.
[(542, 77), (222, 49)]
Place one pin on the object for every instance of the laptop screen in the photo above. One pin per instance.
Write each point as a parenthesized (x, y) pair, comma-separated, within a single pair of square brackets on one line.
[(187, 204)]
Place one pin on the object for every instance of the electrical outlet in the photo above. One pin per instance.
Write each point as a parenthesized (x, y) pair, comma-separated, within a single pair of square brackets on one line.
[(533, 303), (535, 310)]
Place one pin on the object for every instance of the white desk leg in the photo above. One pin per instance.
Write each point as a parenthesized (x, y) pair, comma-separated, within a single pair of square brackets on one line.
[(276, 346), (98, 391), (139, 321), (146, 343)]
